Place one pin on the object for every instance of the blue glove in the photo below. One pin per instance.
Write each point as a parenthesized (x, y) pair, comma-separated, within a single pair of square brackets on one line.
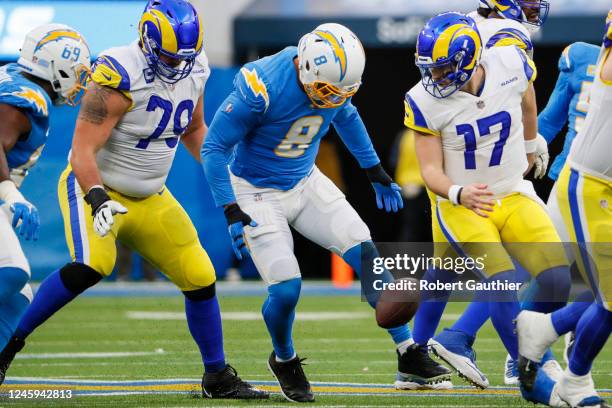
[(30, 221), (236, 221), (388, 194)]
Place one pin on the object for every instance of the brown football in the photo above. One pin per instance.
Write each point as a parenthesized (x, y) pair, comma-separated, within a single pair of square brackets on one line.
[(397, 307)]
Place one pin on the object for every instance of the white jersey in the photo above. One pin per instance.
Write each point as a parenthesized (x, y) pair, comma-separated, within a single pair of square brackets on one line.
[(590, 152), (500, 32), (482, 136), (137, 157)]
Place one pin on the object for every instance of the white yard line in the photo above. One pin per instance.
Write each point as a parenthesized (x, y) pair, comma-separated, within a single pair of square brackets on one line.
[(247, 316), (45, 356)]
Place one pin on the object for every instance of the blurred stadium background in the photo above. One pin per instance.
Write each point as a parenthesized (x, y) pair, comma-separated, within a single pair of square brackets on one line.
[(237, 31)]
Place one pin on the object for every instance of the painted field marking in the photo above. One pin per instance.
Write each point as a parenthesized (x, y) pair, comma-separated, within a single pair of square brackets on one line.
[(247, 316), (45, 356)]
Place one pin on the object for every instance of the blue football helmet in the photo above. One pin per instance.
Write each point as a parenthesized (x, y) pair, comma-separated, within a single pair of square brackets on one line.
[(532, 13), (170, 28), (448, 53)]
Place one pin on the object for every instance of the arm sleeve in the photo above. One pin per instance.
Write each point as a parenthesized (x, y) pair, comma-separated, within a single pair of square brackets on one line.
[(232, 122), (554, 116), (354, 135)]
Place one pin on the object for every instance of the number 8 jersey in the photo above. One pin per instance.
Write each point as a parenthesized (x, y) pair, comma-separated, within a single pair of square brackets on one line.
[(137, 157), (482, 136)]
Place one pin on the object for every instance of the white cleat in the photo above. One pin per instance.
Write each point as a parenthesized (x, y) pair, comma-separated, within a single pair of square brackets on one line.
[(535, 334), (511, 371), (553, 369), (579, 391), (464, 363)]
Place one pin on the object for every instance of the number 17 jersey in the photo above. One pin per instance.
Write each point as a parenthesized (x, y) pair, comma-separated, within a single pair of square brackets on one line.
[(482, 135)]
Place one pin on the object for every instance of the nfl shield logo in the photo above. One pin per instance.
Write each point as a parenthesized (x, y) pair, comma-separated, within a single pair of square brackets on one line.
[(480, 104)]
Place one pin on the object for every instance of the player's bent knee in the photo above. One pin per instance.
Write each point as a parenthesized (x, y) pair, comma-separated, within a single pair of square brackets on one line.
[(197, 271), (355, 233), (287, 293), (197, 295), (78, 277), (12, 280)]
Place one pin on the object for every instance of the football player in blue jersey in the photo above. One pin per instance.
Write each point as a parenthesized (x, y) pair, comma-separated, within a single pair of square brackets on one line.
[(52, 69), (268, 131)]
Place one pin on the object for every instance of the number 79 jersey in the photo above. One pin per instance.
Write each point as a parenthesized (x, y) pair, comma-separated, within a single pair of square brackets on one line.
[(137, 157), (482, 136)]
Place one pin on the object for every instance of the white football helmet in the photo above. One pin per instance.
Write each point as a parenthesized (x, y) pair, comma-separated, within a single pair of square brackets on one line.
[(58, 54), (331, 63)]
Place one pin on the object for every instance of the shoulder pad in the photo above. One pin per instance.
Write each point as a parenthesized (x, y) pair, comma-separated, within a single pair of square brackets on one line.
[(511, 36), (565, 61), (414, 118), (253, 88), (26, 98), (107, 71), (201, 67), (517, 60)]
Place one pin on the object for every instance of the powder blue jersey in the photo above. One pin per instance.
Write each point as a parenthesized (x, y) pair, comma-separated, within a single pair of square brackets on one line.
[(570, 99), (275, 129), (33, 101)]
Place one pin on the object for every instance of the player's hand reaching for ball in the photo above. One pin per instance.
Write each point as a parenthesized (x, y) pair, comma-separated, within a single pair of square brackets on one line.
[(236, 221), (103, 209), (388, 193), (477, 198)]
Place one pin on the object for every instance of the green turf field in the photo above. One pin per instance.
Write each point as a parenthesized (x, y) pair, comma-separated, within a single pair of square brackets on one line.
[(350, 350)]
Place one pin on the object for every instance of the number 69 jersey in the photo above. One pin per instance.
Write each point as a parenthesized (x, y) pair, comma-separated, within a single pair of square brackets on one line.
[(482, 136), (137, 157)]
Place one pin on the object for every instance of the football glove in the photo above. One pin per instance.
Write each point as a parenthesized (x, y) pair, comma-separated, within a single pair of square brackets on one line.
[(103, 209), (542, 157), (388, 193), (24, 215), (236, 221)]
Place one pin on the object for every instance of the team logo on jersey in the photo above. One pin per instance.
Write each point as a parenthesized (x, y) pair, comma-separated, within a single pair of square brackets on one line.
[(255, 84), (338, 48), (480, 104), (34, 97)]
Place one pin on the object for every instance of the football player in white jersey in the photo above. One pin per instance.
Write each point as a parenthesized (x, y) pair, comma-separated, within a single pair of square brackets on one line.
[(476, 122), (584, 191), (142, 100), (500, 23)]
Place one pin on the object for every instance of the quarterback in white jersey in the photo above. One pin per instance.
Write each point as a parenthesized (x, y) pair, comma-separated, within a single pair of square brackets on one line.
[(475, 121), (584, 191), (141, 101)]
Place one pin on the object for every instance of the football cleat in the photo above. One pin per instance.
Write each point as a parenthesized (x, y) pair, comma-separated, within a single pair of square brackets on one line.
[(579, 391), (511, 371), (455, 348), (227, 384), (544, 391), (291, 378), (417, 371), (553, 369), (535, 335), (7, 355)]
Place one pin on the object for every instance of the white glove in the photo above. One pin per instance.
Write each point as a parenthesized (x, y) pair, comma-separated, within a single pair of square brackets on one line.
[(542, 157), (103, 209), (103, 218)]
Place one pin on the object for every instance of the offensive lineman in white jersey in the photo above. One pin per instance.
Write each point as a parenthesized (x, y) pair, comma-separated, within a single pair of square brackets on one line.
[(143, 99), (584, 192), (501, 23), (476, 122)]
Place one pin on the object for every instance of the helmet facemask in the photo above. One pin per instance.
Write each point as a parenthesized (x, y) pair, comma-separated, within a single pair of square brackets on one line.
[(453, 77), (535, 13), (166, 72), (69, 86), (325, 95)]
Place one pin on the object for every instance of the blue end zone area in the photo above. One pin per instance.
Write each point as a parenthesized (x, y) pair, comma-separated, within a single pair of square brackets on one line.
[(186, 181)]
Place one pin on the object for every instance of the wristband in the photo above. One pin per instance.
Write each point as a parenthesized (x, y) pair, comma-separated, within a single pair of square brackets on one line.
[(233, 213), (531, 145), (454, 194), (9, 192), (376, 174), (96, 197)]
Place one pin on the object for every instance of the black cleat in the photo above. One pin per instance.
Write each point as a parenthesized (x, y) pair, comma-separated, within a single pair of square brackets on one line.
[(528, 371), (291, 378), (227, 384), (7, 355), (417, 371)]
